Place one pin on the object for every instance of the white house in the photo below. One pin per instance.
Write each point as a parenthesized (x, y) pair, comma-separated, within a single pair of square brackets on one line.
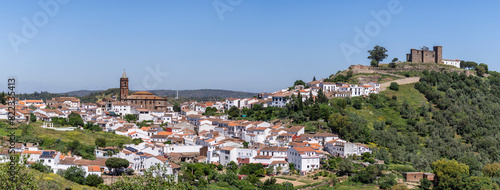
[(305, 159), (455, 62)]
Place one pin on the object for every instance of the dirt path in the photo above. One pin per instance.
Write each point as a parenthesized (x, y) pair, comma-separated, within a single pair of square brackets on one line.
[(409, 80), (316, 186), (278, 180)]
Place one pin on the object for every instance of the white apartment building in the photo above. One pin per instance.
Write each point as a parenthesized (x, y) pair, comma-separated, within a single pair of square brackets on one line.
[(305, 159)]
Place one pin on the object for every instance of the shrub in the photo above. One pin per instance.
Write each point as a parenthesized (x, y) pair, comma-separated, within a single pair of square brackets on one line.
[(394, 86), (93, 180)]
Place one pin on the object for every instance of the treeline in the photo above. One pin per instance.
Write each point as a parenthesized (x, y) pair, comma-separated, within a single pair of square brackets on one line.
[(39, 96)]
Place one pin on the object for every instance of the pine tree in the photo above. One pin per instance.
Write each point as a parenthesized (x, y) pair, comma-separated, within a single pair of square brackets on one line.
[(314, 78), (321, 97), (2, 98), (299, 102)]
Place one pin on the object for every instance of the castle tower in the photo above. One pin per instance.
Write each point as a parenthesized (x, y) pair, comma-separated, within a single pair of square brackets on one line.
[(123, 86), (439, 53)]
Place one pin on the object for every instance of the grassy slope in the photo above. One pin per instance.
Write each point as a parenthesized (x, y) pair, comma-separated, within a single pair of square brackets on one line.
[(54, 181), (406, 92), (351, 185), (84, 136)]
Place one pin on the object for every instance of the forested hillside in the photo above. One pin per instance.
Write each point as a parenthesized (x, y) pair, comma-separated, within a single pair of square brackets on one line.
[(446, 115)]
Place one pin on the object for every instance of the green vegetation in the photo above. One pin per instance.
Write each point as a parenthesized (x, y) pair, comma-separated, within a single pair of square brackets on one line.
[(115, 164), (451, 174), (28, 178), (205, 176), (74, 174), (394, 86), (377, 54), (41, 167), (445, 115), (80, 142), (299, 82), (349, 185), (39, 96)]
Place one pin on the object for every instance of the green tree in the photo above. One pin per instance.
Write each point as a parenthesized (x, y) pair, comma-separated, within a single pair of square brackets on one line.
[(130, 117), (346, 166), (378, 53), (425, 184), (177, 108), (299, 82), (93, 180), (245, 144), (349, 73), (484, 66), (75, 119), (394, 86), (3, 99), (314, 78), (220, 167), (357, 104), (41, 167), (100, 142), (232, 166), (374, 63), (291, 166), (321, 96), (337, 122), (23, 177), (75, 174), (492, 170), (139, 141), (469, 65), (481, 70), (388, 181), (116, 163), (392, 64), (449, 174), (270, 170), (234, 112), (32, 117)]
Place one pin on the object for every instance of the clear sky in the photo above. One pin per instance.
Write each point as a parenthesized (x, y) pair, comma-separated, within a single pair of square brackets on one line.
[(246, 45)]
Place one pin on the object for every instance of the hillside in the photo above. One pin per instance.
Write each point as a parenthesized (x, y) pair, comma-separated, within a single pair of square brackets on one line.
[(88, 96), (384, 74), (49, 181), (203, 93), (443, 112), (79, 92)]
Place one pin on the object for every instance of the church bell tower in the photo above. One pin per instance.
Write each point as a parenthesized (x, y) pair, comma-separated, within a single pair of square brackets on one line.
[(123, 86)]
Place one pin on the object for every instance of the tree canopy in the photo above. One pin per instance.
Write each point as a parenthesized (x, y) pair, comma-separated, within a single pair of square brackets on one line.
[(378, 53)]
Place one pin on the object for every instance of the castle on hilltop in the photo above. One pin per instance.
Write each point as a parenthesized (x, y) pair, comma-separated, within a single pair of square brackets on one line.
[(430, 56)]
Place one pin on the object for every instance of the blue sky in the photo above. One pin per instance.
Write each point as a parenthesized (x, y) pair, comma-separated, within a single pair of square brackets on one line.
[(258, 45)]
